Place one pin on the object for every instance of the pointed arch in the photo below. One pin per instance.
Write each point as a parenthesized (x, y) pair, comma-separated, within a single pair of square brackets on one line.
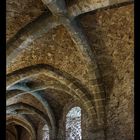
[(73, 124)]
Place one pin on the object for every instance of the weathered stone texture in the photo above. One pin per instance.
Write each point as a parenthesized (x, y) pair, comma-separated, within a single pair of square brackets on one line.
[(57, 99), (111, 36), (11, 133), (20, 13), (56, 49), (54, 65), (25, 135), (26, 98), (78, 7)]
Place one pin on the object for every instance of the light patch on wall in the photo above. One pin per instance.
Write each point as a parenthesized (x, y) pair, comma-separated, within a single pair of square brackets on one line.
[(45, 132), (73, 124)]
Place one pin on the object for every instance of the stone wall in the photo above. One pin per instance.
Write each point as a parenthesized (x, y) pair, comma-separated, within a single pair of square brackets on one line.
[(9, 136), (25, 135), (89, 130), (11, 133), (20, 13), (67, 80), (110, 32)]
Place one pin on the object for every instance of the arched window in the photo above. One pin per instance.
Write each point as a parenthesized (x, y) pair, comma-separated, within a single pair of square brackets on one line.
[(45, 132), (73, 124)]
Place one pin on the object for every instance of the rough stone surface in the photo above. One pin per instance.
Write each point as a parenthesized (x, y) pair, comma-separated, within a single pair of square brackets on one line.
[(62, 67), (20, 13), (78, 7), (54, 49), (111, 35), (26, 98)]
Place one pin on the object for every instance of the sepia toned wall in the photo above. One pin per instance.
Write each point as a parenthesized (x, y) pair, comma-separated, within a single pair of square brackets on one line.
[(111, 35)]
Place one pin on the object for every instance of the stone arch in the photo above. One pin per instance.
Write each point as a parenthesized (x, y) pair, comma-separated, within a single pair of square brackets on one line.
[(62, 77), (89, 125), (20, 120), (45, 104), (28, 35), (24, 108), (91, 93), (82, 45), (70, 92), (11, 132)]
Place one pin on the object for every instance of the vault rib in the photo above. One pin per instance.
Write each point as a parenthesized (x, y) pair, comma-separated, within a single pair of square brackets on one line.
[(21, 120)]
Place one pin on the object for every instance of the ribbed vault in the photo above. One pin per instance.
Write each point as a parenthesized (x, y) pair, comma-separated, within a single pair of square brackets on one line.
[(51, 68)]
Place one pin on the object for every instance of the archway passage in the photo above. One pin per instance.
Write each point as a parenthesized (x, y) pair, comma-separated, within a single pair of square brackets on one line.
[(17, 132), (69, 70)]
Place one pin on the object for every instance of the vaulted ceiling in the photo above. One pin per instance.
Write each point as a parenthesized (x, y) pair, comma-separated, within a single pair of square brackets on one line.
[(50, 62)]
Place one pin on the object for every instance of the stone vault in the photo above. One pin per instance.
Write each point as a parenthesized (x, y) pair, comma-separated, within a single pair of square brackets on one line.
[(63, 54)]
